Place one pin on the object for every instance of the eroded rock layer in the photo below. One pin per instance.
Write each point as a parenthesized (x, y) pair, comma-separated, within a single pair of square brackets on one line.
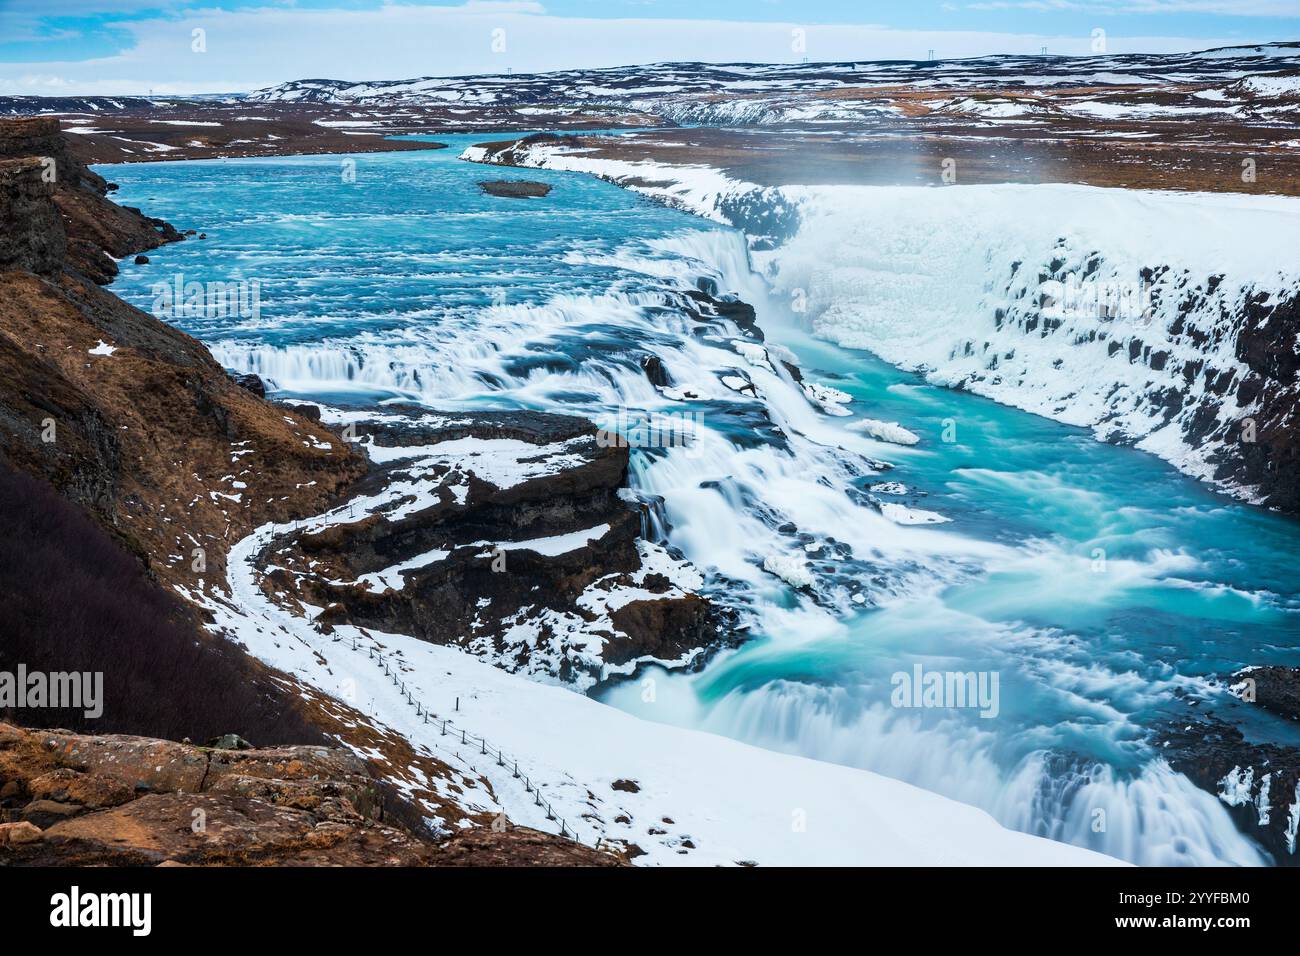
[(510, 534)]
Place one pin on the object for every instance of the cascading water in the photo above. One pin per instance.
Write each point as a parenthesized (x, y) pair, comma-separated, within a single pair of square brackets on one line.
[(411, 285)]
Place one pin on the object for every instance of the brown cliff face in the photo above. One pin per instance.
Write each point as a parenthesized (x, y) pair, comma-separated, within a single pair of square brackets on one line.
[(97, 229), (33, 240), (121, 412)]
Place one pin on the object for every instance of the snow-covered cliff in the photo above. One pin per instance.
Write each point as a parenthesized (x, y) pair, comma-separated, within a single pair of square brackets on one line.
[(1167, 320)]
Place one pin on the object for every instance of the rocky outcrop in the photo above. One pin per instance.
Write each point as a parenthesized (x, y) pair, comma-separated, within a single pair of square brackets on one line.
[(519, 542), (663, 628), (707, 305), (515, 188), (1259, 783), (1276, 689), (98, 231), (76, 800), (1263, 450), (33, 239)]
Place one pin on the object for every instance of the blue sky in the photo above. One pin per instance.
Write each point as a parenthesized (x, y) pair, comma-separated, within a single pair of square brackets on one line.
[(114, 46)]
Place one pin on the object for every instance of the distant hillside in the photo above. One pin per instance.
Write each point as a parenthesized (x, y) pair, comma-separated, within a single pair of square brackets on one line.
[(748, 80)]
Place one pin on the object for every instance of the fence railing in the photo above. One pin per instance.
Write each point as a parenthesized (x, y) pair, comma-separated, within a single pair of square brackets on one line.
[(448, 727)]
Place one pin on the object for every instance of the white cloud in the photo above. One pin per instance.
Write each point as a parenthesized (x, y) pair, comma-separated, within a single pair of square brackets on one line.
[(247, 49)]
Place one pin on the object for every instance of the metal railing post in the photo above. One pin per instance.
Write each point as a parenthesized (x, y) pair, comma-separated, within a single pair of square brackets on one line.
[(424, 712)]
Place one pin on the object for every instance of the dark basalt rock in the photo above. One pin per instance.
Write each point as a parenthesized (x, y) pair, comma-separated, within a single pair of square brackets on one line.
[(97, 230), (665, 629), (653, 366), (255, 385), (1268, 456), (742, 313), (1276, 689), (709, 308), (32, 238), (515, 188), (1208, 749), (476, 593)]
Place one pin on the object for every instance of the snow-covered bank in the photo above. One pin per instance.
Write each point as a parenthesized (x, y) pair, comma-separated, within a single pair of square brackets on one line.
[(682, 796), (1166, 320), (698, 189)]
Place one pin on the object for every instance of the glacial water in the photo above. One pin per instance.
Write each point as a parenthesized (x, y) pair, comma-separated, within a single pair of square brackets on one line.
[(1100, 586)]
